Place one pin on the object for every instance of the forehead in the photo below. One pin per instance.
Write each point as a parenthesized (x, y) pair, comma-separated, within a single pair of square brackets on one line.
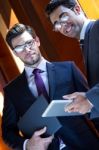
[(54, 16), (21, 39)]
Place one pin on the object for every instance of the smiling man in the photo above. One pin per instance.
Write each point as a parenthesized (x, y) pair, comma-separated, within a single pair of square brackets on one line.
[(68, 18)]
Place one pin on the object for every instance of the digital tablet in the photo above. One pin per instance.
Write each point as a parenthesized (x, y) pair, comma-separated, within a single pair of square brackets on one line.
[(56, 108)]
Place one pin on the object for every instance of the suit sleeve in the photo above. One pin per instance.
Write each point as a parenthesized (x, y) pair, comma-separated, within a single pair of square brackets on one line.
[(10, 132), (93, 96), (93, 93)]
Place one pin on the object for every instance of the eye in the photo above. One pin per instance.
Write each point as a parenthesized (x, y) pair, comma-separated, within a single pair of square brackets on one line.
[(19, 48), (64, 17), (29, 42)]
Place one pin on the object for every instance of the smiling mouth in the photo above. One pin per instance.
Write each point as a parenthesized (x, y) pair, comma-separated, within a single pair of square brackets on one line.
[(68, 28)]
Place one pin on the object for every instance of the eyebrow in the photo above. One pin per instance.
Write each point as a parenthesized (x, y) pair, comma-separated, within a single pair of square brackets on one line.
[(59, 17), (62, 14), (23, 43)]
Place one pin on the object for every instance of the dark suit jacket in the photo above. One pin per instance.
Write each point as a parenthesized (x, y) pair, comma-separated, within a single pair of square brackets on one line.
[(64, 78), (91, 54)]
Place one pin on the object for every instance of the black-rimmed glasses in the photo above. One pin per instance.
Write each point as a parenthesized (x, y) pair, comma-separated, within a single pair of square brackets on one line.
[(63, 18), (27, 44)]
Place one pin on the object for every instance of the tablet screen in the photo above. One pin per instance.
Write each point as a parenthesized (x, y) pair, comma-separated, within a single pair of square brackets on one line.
[(56, 108)]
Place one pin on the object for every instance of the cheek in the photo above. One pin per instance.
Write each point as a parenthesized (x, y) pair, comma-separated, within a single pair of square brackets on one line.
[(21, 55), (51, 19), (61, 30)]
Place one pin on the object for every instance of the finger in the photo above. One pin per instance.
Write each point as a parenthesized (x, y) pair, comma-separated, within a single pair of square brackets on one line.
[(69, 107), (83, 110), (40, 132), (70, 96), (48, 139), (73, 110)]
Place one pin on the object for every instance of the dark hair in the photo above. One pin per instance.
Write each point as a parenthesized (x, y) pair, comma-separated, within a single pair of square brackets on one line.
[(53, 4), (16, 30)]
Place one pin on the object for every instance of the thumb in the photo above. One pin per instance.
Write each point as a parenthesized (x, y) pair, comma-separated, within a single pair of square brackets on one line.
[(40, 132), (48, 139)]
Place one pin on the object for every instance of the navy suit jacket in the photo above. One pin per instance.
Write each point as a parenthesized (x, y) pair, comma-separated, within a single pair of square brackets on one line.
[(91, 54), (63, 78)]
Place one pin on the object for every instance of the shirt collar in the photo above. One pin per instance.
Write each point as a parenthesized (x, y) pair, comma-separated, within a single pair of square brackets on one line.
[(41, 66), (82, 34)]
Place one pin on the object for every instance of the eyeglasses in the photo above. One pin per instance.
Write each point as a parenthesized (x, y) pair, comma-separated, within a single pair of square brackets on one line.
[(27, 44), (62, 21)]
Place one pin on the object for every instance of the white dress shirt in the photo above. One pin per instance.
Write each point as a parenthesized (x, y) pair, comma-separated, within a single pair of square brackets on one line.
[(82, 33), (30, 77)]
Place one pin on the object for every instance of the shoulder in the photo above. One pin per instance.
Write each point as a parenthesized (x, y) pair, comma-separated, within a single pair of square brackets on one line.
[(14, 83), (95, 26), (94, 33), (63, 63), (96, 22)]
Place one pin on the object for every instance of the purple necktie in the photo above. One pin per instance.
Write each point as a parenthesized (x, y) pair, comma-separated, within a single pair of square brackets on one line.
[(39, 83)]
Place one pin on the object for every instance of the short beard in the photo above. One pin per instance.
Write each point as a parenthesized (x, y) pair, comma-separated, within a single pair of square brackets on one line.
[(33, 62)]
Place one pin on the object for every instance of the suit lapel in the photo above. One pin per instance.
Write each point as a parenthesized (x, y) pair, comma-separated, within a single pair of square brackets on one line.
[(51, 79), (86, 43), (25, 88)]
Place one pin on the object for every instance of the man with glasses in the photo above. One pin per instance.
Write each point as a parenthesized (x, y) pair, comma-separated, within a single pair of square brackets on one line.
[(68, 18), (59, 78)]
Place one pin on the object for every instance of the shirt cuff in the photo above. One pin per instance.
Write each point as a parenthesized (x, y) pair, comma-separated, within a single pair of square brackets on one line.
[(91, 105), (24, 145)]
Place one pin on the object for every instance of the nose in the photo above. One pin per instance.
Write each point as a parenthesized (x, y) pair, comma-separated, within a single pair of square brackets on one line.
[(27, 49)]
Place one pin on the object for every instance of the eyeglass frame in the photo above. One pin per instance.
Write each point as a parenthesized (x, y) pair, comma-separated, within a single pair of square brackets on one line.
[(61, 22), (20, 48)]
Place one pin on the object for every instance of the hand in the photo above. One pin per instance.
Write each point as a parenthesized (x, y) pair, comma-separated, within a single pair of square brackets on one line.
[(38, 143), (80, 103)]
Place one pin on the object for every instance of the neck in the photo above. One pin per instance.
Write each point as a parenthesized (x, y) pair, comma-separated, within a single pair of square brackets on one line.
[(83, 20), (35, 65)]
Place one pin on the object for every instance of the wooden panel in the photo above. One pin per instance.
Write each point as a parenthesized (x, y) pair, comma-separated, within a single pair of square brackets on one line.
[(5, 10), (7, 62)]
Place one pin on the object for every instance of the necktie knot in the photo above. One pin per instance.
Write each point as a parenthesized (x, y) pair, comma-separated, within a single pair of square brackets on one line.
[(36, 71)]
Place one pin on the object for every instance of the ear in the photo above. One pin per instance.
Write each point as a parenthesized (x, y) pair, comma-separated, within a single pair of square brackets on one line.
[(77, 9), (37, 40)]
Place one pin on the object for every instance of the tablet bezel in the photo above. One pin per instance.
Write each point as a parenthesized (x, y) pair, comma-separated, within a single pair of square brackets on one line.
[(51, 106)]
